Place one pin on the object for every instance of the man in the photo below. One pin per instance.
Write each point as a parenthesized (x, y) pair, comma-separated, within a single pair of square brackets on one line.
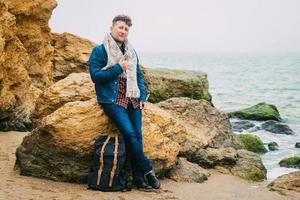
[(120, 90)]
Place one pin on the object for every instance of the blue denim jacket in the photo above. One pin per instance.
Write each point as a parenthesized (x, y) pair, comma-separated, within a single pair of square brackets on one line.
[(106, 81)]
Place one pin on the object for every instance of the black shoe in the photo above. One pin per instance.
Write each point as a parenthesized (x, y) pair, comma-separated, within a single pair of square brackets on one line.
[(141, 184), (152, 180)]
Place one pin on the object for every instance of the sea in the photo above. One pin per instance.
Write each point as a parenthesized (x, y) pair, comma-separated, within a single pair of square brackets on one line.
[(240, 80)]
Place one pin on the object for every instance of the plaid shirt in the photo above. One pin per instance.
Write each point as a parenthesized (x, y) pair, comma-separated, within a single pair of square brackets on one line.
[(122, 100)]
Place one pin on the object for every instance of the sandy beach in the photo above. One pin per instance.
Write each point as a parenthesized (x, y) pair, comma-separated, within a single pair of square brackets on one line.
[(219, 186)]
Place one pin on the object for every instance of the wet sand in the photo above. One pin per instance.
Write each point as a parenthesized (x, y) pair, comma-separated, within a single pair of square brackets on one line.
[(219, 186)]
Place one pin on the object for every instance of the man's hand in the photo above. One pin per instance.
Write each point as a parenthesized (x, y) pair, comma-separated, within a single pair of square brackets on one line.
[(124, 63), (142, 105)]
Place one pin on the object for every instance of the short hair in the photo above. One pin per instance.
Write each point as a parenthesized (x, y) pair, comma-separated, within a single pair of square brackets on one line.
[(124, 18)]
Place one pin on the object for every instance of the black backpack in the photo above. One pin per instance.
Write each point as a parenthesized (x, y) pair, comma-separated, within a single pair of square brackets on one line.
[(107, 172)]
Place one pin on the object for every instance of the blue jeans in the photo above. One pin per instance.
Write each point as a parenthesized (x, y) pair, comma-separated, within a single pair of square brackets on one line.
[(129, 123)]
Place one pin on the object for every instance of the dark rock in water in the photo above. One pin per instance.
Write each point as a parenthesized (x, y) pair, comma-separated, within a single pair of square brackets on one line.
[(276, 127), (239, 126), (290, 162), (273, 146), (297, 145), (253, 143), (260, 111), (254, 129)]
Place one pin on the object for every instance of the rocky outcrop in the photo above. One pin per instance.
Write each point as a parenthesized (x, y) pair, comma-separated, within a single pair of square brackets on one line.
[(260, 111), (163, 84), (68, 119), (286, 183), (71, 54), (210, 141), (25, 62)]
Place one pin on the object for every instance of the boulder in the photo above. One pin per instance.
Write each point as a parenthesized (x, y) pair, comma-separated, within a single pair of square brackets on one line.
[(165, 83), (249, 166), (253, 143), (71, 53), (185, 171), (60, 148), (25, 59), (210, 141), (276, 127), (260, 111), (286, 183), (297, 145), (291, 162)]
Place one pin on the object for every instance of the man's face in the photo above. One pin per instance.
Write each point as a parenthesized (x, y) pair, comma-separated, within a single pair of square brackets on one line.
[(119, 31)]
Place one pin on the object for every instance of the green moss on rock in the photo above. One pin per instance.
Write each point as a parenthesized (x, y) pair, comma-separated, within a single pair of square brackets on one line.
[(290, 162), (255, 174), (260, 111), (163, 84), (253, 143)]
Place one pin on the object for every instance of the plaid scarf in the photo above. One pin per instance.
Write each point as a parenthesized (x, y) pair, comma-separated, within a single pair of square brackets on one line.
[(114, 55)]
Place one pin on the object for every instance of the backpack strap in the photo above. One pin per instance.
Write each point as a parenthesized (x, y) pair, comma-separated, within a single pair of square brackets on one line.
[(113, 170), (101, 160)]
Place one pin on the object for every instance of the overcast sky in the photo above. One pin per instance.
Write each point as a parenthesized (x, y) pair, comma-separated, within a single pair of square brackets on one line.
[(188, 25)]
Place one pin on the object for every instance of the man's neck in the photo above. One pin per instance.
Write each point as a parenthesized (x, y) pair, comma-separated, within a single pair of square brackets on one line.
[(119, 44)]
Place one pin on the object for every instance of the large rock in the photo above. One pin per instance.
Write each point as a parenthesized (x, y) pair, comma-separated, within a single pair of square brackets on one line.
[(210, 141), (163, 84), (75, 87), (25, 59), (70, 54), (60, 148), (286, 183), (260, 111)]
